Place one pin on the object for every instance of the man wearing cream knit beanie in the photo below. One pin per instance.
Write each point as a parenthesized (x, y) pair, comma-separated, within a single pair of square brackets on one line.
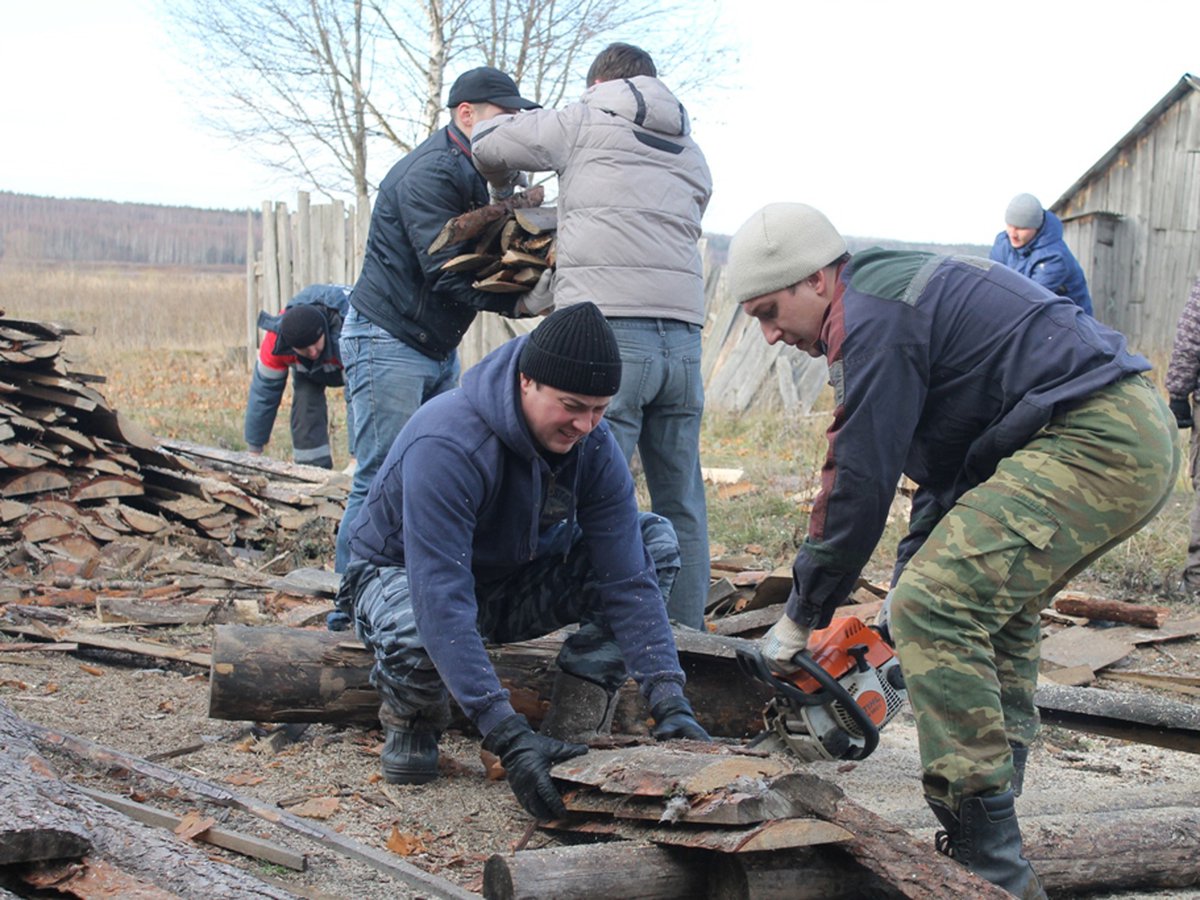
[(1037, 445)]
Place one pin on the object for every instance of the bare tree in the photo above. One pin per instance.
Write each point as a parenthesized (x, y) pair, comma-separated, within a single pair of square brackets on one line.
[(334, 90)]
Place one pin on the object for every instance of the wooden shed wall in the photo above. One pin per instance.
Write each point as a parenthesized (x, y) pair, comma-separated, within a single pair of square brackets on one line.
[(1136, 228)]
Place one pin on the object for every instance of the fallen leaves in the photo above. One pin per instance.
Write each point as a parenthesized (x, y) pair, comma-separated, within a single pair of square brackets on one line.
[(403, 843), (317, 807)]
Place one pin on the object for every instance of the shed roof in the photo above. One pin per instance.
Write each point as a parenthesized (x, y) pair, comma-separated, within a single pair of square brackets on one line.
[(1185, 84)]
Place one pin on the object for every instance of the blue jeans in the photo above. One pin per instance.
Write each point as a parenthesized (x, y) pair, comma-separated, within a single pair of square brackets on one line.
[(387, 380), (657, 411)]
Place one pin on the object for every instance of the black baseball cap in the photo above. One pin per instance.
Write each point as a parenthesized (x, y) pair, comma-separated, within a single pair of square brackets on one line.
[(488, 85)]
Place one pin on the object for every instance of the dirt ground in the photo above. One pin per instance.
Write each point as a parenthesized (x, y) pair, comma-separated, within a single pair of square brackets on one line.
[(454, 824)]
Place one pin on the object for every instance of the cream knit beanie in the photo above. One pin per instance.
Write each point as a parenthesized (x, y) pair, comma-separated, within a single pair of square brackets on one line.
[(780, 245)]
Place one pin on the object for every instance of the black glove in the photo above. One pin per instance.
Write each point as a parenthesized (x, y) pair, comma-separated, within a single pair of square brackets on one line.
[(673, 718), (1181, 408), (527, 758)]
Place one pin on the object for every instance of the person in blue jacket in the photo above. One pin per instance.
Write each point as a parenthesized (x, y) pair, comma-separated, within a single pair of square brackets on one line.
[(506, 510), (303, 340), (408, 315), (1032, 243)]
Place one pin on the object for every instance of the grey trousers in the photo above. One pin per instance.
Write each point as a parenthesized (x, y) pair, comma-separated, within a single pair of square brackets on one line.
[(536, 599)]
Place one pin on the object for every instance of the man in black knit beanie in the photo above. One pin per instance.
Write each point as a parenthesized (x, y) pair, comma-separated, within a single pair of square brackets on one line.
[(505, 510)]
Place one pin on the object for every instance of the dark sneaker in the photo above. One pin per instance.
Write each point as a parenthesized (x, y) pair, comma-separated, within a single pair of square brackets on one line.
[(409, 757)]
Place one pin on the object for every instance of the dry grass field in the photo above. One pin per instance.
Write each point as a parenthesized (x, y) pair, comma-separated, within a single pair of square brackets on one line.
[(170, 343)]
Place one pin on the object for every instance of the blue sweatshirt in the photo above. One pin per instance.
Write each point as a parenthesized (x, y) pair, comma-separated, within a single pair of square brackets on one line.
[(941, 367), (464, 494)]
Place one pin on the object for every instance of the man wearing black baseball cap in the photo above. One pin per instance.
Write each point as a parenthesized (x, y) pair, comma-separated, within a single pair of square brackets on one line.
[(400, 339), (504, 511)]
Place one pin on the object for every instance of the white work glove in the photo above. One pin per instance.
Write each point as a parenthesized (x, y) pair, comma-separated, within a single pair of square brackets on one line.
[(781, 643), (541, 297)]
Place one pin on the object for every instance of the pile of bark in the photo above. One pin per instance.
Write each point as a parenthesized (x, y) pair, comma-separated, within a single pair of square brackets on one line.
[(513, 243), (79, 475)]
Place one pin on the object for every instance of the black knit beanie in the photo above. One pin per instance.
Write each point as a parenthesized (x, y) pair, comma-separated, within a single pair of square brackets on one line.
[(574, 350), (301, 326)]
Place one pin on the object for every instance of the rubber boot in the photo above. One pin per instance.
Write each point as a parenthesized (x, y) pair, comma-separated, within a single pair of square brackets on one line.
[(579, 710), (986, 838), (410, 748), (1020, 755)]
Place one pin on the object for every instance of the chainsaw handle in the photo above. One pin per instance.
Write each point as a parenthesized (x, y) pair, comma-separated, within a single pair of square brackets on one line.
[(868, 727), (754, 666)]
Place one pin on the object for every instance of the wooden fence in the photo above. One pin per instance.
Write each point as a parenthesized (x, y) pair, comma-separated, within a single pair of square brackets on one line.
[(324, 244)]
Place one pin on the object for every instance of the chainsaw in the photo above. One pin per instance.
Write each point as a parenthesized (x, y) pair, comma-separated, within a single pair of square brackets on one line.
[(847, 687)]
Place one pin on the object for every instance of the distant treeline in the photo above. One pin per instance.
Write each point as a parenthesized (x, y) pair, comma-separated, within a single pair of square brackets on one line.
[(52, 229)]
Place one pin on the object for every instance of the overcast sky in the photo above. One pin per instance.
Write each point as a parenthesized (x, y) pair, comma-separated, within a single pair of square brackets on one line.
[(910, 120)]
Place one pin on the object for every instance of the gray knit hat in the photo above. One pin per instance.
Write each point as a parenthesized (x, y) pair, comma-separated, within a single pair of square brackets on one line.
[(780, 245), (574, 350), (1024, 211)]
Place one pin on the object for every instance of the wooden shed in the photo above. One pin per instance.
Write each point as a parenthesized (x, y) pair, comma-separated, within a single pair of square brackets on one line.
[(1133, 220)]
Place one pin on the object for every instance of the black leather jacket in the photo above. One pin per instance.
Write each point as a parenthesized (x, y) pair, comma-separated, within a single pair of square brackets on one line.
[(402, 287)]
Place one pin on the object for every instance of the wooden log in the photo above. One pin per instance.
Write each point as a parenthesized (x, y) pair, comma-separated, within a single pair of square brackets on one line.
[(110, 759), (805, 873), (155, 612), (887, 850), (469, 224), (617, 869), (278, 674), (44, 815), (1075, 604)]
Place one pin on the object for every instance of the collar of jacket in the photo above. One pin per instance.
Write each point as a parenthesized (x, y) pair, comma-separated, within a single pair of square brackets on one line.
[(459, 139)]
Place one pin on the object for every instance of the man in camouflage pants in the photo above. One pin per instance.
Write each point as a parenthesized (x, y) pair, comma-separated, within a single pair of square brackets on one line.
[(1037, 445), (1183, 379)]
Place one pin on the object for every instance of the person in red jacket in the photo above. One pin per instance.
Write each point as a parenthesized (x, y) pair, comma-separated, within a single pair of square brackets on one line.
[(302, 340)]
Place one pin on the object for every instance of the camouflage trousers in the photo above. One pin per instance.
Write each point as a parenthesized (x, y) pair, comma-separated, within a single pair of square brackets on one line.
[(965, 610), (543, 596), (1191, 569)]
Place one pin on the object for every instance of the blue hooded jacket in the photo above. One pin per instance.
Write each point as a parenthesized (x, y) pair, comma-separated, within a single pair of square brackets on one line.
[(1047, 260), (465, 495)]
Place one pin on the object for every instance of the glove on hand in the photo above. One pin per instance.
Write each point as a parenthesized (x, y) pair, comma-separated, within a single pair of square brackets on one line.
[(673, 718), (883, 620), (781, 643), (1181, 408), (541, 297), (527, 758)]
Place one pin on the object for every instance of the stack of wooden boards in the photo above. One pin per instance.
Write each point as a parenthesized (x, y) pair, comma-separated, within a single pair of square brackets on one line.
[(78, 474), (513, 243)]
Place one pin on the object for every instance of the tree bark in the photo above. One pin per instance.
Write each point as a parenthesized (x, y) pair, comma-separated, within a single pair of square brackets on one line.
[(617, 869), (1071, 604), (45, 818)]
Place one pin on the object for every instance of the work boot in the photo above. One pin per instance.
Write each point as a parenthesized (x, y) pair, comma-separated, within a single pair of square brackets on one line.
[(986, 838), (1020, 754), (410, 754), (579, 710)]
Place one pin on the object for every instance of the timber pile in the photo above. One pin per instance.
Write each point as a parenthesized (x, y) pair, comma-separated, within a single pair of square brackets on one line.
[(79, 475), (513, 243)]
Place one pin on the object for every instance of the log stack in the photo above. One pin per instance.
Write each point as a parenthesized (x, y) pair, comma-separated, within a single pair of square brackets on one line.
[(513, 243), (78, 474)]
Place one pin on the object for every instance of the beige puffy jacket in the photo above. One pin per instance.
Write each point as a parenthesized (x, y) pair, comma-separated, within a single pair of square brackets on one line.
[(632, 189)]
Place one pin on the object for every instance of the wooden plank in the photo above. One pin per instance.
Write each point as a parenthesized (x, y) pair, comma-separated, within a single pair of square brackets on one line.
[(244, 844), (776, 834), (661, 771), (309, 582), (39, 481), (1170, 631), (1077, 646), (741, 803)]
